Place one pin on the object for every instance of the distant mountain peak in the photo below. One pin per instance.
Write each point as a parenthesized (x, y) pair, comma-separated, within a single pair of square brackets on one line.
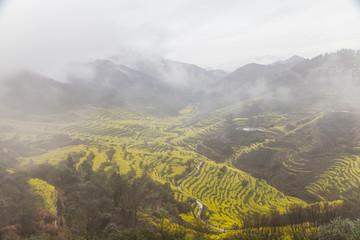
[(290, 61), (294, 60)]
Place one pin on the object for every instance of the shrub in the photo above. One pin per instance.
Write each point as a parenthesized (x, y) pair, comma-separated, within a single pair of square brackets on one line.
[(339, 229)]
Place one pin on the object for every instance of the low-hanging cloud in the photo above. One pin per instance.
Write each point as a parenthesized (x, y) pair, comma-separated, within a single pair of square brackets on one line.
[(45, 36)]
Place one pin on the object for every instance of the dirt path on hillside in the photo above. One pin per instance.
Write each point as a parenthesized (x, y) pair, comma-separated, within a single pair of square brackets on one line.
[(196, 170)]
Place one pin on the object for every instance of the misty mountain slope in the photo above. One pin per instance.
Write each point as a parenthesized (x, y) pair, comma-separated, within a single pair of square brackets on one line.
[(108, 75), (330, 72), (292, 61), (116, 84), (175, 74), (255, 79), (295, 79), (164, 85), (105, 82), (155, 83), (33, 93)]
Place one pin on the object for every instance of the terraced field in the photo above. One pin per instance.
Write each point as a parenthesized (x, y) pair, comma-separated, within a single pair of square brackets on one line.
[(340, 180), (167, 148), (233, 194)]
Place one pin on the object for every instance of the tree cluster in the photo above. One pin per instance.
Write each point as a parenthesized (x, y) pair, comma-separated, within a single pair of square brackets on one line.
[(90, 204)]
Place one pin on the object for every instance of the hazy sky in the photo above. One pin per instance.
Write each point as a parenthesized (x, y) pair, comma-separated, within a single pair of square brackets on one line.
[(47, 34)]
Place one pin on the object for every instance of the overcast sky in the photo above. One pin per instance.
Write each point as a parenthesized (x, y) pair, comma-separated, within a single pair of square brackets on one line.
[(46, 35)]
